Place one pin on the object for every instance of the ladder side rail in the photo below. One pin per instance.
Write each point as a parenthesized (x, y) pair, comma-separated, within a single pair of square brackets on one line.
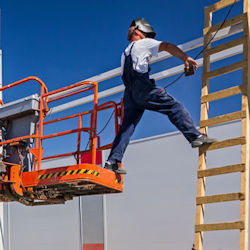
[(204, 115), (242, 115), (244, 204)]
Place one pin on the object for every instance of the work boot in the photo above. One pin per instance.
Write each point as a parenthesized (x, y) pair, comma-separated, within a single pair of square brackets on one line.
[(202, 140), (114, 167)]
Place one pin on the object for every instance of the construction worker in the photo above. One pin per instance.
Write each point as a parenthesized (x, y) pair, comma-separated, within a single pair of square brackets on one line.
[(141, 93)]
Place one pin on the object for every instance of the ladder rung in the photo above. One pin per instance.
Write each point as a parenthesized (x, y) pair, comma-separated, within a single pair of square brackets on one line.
[(224, 46), (222, 94), (229, 22), (219, 198), (222, 170), (224, 70), (223, 144), (220, 5), (219, 226), (223, 118)]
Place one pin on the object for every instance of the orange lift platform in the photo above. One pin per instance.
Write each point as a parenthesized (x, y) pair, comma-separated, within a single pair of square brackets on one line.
[(37, 186)]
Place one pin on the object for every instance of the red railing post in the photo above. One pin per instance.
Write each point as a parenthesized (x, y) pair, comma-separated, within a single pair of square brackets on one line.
[(79, 139), (94, 125), (40, 152)]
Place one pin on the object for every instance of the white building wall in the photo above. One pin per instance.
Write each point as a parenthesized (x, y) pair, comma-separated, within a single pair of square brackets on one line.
[(1, 204), (155, 211), (157, 208)]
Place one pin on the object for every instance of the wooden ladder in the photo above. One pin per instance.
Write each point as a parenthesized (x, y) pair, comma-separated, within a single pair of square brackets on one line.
[(243, 115)]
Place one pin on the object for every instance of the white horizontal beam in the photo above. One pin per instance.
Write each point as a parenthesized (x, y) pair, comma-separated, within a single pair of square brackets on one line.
[(214, 58), (157, 76), (228, 31), (86, 99)]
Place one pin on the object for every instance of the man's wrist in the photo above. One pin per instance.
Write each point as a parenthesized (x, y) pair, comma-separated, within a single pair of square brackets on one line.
[(185, 57)]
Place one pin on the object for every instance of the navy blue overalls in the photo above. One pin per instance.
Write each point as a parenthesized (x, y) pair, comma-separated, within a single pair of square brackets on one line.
[(141, 93)]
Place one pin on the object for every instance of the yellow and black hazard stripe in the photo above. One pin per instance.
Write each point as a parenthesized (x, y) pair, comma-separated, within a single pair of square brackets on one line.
[(119, 181), (69, 172)]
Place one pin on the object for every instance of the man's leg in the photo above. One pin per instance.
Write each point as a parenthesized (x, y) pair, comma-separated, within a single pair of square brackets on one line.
[(159, 100), (130, 120)]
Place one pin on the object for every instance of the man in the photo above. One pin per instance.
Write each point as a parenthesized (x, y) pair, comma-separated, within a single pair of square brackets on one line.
[(141, 92)]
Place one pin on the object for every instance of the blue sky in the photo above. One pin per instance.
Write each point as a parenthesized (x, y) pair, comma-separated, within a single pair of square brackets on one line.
[(63, 42)]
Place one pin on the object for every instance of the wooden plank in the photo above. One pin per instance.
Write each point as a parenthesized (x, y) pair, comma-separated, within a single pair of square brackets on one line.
[(229, 22), (222, 170), (201, 185), (220, 226), (220, 198), (245, 128), (160, 75), (223, 144), (224, 46), (220, 5), (222, 94), (223, 118), (224, 70)]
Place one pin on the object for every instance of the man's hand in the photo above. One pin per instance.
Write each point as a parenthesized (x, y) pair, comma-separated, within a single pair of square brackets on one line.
[(190, 66), (189, 63), (175, 51)]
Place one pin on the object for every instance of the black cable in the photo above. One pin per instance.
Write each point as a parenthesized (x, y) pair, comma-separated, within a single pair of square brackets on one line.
[(181, 75), (205, 47), (105, 126), (86, 146), (174, 81), (225, 19)]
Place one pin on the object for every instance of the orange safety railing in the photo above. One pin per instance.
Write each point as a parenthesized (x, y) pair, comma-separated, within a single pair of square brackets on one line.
[(87, 85), (49, 97), (78, 152), (43, 108)]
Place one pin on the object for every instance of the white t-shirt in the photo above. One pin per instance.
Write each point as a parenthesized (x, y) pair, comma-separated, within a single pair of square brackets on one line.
[(141, 53)]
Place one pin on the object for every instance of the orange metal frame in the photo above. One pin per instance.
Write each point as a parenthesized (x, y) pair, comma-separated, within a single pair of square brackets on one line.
[(79, 172), (91, 130), (44, 100), (42, 110), (105, 106)]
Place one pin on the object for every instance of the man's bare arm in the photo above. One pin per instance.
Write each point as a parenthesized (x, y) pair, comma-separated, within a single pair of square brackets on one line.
[(177, 52)]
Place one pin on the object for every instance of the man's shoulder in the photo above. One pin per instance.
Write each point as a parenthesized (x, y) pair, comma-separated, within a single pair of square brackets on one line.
[(142, 44), (147, 42)]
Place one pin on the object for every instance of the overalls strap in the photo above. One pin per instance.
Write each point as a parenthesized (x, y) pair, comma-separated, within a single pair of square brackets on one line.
[(129, 50)]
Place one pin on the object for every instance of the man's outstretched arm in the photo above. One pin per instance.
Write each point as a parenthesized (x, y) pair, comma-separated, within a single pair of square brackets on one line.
[(177, 52)]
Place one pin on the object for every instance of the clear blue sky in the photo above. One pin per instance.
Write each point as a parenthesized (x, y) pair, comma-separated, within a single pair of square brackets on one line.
[(63, 42)]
